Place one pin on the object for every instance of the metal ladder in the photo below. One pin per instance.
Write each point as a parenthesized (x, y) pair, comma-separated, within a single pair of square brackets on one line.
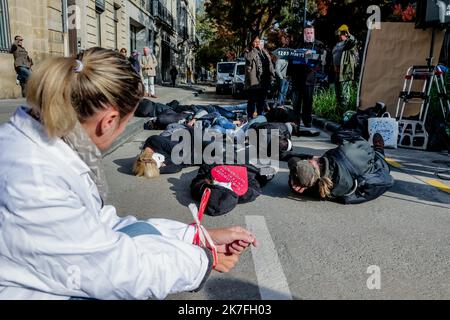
[(412, 132)]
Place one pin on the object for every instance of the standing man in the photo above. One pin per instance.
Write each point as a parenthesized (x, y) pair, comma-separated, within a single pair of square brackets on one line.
[(148, 66), (304, 76), (345, 60), (22, 62)]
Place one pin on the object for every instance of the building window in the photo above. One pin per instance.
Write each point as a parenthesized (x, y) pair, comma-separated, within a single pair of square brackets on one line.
[(133, 37), (99, 9), (98, 17), (116, 27), (5, 33)]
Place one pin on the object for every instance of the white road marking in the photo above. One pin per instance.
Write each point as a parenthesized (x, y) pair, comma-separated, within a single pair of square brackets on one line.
[(272, 281)]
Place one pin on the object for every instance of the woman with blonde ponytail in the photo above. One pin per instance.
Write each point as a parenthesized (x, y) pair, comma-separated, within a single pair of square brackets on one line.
[(352, 173), (58, 238)]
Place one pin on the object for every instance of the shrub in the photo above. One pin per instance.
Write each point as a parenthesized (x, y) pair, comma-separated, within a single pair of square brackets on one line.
[(325, 104)]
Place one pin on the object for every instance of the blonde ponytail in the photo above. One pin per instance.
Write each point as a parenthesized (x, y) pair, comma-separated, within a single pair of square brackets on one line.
[(49, 94), (62, 91), (325, 187), (145, 166)]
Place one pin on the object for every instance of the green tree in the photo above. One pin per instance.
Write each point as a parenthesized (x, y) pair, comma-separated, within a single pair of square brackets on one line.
[(240, 20)]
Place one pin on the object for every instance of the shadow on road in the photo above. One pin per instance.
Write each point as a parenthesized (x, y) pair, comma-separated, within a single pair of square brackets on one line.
[(181, 187), (126, 165), (420, 191), (233, 289)]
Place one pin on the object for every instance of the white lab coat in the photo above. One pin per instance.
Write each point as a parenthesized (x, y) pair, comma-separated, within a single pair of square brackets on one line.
[(56, 240)]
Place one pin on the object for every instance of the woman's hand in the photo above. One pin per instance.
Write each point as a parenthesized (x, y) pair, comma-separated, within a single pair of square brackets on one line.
[(232, 241), (226, 262)]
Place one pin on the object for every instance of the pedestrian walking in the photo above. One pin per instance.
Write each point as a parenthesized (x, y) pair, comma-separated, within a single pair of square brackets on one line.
[(148, 67), (134, 60), (189, 76), (173, 75)]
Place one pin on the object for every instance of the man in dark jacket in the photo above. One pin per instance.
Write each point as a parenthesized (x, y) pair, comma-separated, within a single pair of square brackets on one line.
[(304, 77)]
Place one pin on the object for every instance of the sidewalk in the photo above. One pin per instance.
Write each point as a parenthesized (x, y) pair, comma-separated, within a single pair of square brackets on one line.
[(165, 95)]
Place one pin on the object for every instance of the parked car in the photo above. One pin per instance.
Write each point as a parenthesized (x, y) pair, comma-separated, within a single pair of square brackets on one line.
[(224, 79), (237, 85)]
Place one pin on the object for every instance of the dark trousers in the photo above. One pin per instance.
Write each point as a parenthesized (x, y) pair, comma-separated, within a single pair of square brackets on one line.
[(256, 101), (303, 102), (23, 73), (174, 81)]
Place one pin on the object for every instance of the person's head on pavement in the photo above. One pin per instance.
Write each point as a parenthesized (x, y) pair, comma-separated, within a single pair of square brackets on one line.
[(305, 174), (148, 164)]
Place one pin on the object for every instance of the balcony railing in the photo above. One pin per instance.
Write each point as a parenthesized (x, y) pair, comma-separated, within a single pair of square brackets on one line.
[(163, 14), (147, 5)]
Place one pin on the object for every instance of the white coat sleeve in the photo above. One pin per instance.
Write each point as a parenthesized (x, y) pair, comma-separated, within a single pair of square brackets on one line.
[(52, 232)]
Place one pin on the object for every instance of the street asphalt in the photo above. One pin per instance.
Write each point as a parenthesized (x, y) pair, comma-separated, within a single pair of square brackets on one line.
[(395, 247)]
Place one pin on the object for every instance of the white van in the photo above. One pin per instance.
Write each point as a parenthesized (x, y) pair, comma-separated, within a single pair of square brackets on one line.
[(237, 85), (225, 73)]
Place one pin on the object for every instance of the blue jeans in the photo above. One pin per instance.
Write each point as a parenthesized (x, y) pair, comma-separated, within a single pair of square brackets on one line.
[(284, 86), (139, 228), (23, 73), (240, 134)]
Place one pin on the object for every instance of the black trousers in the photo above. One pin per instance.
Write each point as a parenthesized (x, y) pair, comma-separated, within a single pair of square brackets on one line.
[(256, 101), (164, 146), (303, 103)]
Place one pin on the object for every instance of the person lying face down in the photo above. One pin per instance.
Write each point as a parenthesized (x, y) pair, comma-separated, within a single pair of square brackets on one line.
[(55, 221), (354, 172)]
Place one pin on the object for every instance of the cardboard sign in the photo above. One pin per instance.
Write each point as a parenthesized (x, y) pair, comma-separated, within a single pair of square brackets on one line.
[(235, 175)]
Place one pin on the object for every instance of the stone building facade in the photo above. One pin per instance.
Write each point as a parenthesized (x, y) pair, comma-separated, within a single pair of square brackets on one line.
[(65, 27)]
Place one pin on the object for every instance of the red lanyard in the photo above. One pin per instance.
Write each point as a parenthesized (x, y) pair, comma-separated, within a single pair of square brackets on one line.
[(202, 237)]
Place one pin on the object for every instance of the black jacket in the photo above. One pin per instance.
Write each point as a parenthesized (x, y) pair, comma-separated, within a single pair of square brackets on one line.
[(358, 173), (303, 74), (223, 200)]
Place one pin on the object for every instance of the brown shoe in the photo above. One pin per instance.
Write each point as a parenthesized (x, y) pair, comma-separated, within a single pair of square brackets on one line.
[(153, 96), (378, 141)]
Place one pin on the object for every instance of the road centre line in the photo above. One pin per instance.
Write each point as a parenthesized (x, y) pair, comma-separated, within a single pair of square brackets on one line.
[(272, 281)]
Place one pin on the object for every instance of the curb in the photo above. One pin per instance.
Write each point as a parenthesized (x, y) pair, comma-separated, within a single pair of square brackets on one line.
[(135, 126), (325, 124)]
